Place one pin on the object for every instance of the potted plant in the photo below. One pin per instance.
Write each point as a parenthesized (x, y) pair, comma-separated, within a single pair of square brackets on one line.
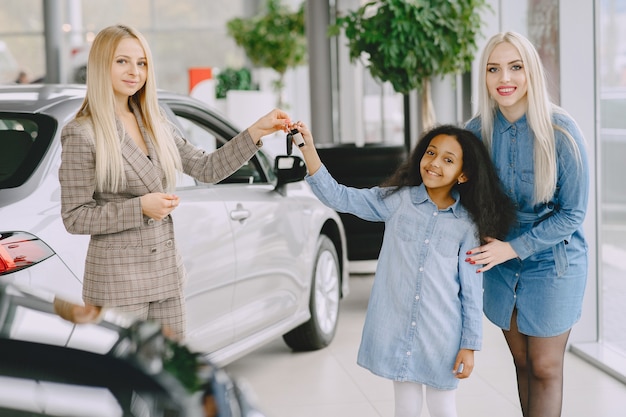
[(275, 39), (406, 43), (233, 79), (409, 42)]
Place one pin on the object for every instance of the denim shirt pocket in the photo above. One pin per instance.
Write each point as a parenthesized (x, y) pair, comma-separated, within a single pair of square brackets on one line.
[(561, 262), (446, 242), (528, 176)]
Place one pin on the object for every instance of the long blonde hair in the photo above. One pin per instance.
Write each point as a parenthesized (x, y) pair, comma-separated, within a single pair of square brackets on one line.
[(99, 107), (539, 112)]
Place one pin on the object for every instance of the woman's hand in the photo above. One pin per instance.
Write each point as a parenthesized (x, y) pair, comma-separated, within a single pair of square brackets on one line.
[(158, 205), (76, 313), (268, 124), (493, 253)]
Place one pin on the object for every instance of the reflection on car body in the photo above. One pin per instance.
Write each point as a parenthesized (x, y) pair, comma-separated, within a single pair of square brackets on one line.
[(264, 257), (114, 368)]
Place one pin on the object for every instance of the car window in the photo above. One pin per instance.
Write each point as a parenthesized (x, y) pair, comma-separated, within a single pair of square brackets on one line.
[(268, 164), (204, 137), (24, 139)]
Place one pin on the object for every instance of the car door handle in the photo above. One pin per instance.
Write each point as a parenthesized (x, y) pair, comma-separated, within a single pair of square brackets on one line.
[(239, 213)]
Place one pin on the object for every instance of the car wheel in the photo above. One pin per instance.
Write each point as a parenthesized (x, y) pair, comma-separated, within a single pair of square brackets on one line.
[(319, 331)]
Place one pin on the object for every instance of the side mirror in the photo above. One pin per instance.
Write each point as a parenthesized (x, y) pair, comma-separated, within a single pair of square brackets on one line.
[(289, 169)]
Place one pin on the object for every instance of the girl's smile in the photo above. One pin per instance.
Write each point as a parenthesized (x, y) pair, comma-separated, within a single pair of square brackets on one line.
[(442, 167)]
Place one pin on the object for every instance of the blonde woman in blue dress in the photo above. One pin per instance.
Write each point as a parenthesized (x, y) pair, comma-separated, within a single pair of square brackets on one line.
[(535, 278), (424, 316)]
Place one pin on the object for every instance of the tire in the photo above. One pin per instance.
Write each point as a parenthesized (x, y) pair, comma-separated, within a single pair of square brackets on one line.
[(319, 331)]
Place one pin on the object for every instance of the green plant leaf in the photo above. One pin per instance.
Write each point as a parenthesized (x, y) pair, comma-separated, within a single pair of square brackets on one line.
[(409, 41), (275, 39), (233, 79)]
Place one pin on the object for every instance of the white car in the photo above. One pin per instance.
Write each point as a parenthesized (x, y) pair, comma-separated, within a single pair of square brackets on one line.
[(264, 257)]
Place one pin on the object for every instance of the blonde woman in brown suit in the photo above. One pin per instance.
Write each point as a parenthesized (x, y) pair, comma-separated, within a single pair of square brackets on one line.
[(118, 172)]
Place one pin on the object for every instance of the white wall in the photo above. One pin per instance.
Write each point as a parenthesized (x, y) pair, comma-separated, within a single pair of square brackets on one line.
[(578, 86)]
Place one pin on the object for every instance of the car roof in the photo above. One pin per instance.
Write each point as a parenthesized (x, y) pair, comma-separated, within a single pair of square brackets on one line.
[(36, 98), (64, 98)]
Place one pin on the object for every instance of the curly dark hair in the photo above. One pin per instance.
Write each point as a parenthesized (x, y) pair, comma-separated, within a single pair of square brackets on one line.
[(482, 194)]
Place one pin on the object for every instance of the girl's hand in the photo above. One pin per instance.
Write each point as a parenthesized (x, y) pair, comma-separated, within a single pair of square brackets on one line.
[(268, 124), (493, 253), (311, 158), (464, 364), (158, 205), (304, 130)]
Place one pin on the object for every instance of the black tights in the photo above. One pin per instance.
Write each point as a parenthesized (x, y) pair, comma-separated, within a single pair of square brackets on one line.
[(539, 368)]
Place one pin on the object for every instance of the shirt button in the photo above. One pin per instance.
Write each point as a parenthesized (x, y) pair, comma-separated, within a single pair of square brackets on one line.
[(435, 213), (150, 222), (413, 324), (417, 297), (426, 241), (421, 269), (408, 354), (169, 243)]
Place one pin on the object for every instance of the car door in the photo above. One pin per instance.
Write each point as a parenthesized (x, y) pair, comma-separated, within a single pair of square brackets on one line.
[(268, 236), (270, 231), (205, 241)]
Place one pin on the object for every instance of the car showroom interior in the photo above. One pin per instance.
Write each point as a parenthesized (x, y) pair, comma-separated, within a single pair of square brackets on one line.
[(203, 268)]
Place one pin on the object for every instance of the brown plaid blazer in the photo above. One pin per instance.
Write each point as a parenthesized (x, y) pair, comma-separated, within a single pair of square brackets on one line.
[(132, 258)]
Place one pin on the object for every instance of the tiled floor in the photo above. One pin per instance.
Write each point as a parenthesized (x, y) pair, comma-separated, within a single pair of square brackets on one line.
[(328, 383)]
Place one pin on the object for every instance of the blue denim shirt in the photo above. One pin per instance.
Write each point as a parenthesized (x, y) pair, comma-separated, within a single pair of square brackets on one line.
[(546, 283), (512, 154), (426, 302)]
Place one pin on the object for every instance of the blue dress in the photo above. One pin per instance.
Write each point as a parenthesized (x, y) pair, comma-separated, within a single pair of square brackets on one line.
[(546, 283), (425, 305)]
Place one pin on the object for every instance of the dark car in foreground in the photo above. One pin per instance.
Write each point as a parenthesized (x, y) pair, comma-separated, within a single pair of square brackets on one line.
[(264, 257), (114, 368)]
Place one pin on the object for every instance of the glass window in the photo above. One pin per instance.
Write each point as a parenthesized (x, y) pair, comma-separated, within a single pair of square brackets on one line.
[(22, 146), (202, 136), (611, 156)]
